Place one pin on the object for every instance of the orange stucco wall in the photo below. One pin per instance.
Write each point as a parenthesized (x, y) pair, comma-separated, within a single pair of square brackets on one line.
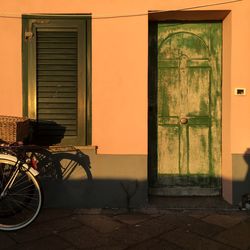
[(226, 112), (120, 85), (11, 67), (119, 69)]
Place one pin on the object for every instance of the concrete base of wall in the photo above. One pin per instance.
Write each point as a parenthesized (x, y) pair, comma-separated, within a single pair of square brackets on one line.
[(84, 179)]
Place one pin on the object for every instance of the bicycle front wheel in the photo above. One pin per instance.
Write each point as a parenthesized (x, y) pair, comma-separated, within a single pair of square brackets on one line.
[(21, 204)]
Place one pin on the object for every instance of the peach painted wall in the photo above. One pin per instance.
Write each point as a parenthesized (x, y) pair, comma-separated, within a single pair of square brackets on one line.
[(10, 71), (119, 67), (226, 112)]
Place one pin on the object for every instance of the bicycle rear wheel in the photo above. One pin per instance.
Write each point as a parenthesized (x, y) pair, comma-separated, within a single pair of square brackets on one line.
[(22, 202)]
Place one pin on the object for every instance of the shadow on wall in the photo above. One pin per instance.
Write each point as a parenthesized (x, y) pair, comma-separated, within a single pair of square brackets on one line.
[(247, 160), (67, 182), (66, 177), (241, 176), (46, 133), (60, 165)]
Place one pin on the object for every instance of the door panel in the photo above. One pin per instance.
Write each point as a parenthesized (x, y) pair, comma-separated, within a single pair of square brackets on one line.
[(198, 159), (168, 145), (198, 92), (189, 106)]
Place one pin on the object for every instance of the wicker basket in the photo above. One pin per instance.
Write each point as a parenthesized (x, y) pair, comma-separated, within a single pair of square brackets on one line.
[(13, 129)]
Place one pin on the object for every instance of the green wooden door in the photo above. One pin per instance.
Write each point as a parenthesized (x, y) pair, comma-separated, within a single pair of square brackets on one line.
[(189, 108)]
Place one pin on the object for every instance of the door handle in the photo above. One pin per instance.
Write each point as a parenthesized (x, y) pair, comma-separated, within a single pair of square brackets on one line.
[(184, 120)]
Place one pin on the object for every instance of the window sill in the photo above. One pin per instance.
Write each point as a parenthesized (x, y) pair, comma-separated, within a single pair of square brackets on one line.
[(72, 148)]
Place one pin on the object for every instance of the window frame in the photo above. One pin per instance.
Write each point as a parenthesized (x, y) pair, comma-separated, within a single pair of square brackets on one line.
[(81, 22)]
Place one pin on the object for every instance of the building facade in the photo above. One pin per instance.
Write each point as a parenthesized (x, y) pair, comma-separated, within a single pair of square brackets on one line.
[(152, 95)]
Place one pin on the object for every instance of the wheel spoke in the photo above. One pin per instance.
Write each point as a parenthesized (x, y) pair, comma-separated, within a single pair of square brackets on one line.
[(18, 179), (24, 188), (22, 202)]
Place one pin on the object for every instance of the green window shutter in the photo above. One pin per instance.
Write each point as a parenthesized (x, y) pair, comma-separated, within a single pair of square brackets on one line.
[(57, 83), (56, 86)]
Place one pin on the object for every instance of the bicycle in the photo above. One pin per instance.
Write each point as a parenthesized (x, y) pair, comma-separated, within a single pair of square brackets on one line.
[(20, 191)]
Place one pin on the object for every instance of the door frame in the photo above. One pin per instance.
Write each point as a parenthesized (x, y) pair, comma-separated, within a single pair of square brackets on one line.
[(185, 16)]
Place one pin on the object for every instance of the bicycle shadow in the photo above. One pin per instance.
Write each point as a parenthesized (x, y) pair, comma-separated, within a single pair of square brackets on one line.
[(62, 174), (55, 164), (59, 165), (70, 164)]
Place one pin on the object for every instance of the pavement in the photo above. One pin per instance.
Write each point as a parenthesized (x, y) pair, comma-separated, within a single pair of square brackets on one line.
[(156, 226)]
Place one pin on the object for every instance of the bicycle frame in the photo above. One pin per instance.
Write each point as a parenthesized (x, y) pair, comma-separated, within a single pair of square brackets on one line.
[(10, 158)]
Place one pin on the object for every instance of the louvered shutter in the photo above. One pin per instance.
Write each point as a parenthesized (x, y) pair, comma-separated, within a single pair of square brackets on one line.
[(57, 80), (56, 84)]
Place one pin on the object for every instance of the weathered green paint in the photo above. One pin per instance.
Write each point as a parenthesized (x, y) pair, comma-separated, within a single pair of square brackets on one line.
[(189, 86)]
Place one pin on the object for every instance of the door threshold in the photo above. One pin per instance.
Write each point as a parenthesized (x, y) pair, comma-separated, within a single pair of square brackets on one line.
[(197, 203), (184, 191)]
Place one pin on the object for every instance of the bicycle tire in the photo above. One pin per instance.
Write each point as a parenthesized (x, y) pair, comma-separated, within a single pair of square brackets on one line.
[(23, 201)]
